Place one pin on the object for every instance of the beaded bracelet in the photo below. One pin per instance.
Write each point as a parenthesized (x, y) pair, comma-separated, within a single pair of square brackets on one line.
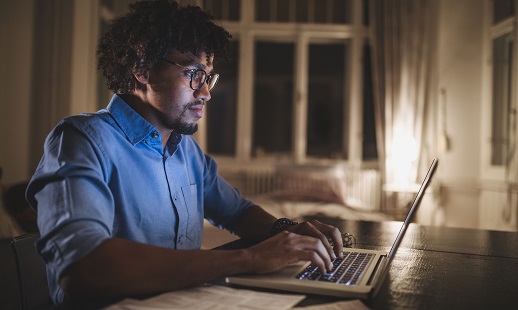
[(348, 240), (281, 224)]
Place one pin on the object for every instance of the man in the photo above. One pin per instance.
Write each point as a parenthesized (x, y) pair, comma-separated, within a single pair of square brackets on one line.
[(121, 194)]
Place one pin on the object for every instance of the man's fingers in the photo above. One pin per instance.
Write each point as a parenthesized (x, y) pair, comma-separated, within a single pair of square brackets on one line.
[(309, 241), (287, 248), (332, 235), (311, 230), (319, 253)]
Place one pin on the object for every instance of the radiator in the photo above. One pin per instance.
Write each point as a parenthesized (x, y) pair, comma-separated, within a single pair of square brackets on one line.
[(358, 188)]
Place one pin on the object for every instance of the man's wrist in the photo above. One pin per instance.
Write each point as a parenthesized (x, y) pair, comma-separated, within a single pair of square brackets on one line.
[(281, 225)]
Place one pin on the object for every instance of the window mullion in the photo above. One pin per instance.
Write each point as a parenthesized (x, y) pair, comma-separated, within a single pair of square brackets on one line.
[(353, 142), (247, 13), (245, 79), (245, 97), (354, 114), (300, 99)]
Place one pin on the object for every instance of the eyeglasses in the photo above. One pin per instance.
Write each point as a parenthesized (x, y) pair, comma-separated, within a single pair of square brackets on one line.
[(198, 76)]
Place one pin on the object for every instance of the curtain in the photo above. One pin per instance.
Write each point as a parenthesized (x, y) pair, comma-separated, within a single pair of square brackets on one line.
[(511, 170), (402, 38)]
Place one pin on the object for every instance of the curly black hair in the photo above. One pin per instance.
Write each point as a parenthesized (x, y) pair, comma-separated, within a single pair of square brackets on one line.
[(151, 30)]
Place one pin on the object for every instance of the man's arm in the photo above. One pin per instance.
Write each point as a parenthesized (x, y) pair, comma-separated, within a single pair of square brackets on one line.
[(119, 267), (255, 223)]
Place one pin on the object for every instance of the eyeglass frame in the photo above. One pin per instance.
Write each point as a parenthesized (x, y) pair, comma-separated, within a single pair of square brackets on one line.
[(192, 74)]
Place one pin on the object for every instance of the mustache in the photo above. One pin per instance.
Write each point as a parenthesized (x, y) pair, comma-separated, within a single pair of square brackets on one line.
[(192, 104)]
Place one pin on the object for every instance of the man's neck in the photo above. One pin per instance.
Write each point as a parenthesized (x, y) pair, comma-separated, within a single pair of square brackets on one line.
[(145, 110)]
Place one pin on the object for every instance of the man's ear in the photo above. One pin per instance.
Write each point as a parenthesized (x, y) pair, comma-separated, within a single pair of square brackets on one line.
[(142, 76)]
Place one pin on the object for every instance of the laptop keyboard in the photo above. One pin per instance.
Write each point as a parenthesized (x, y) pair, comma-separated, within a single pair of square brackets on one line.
[(347, 270)]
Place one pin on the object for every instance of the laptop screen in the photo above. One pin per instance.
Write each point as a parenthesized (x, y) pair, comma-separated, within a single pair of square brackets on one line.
[(413, 209)]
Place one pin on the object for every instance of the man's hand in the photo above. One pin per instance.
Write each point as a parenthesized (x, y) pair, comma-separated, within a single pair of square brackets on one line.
[(323, 232), (287, 248), (305, 241)]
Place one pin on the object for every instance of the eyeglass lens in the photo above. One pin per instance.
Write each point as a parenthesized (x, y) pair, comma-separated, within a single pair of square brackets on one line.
[(199, 77)]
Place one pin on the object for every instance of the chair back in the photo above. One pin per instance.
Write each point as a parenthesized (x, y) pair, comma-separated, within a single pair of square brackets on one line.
[(32, 276)]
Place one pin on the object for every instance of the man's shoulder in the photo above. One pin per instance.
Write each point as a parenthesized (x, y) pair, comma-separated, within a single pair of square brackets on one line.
[(89, 122), (97, 126), (85, 119)]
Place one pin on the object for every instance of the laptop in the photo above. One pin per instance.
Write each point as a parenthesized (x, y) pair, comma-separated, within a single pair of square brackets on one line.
[(359, 275)]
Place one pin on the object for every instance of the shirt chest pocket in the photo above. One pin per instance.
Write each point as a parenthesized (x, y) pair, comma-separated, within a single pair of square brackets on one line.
[(194, 227)]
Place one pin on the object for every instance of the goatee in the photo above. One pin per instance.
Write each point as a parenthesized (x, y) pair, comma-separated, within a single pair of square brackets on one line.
[(186, 129)]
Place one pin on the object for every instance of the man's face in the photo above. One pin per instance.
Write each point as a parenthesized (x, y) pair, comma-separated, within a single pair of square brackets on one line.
[(175, 105)]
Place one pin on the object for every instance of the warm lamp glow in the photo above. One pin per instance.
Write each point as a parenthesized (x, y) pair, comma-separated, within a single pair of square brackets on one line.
[(404, 156)]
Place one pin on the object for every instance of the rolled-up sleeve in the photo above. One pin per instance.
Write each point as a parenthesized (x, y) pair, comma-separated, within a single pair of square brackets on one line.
[(75, 208)]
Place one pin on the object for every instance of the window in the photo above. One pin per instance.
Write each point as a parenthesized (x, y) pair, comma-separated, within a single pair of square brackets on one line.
[(501, 96), (500, 100), (298, 89)]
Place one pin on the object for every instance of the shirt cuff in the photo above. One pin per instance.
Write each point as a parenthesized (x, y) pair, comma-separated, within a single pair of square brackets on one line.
[(70, 243)]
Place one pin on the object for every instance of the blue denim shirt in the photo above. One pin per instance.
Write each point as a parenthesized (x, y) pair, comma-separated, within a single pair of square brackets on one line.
[(107, 174)]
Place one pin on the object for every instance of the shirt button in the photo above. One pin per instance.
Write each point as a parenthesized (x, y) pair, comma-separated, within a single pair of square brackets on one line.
[(175, 197), (154, 135)]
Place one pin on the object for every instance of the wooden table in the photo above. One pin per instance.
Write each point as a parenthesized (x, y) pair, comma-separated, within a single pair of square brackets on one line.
[(440, 267), (435, 267)]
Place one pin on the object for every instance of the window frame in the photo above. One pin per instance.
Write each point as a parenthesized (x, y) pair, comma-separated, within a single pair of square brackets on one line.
[(493, 32)]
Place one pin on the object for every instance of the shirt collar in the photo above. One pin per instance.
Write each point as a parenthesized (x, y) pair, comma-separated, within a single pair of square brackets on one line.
[(134, 126)]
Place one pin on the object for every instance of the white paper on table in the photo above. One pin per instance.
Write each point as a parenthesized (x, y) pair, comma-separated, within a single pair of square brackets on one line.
[(212, 298), (340, 305)]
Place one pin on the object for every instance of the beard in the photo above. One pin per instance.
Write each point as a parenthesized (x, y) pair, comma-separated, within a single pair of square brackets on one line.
[(186, 129)]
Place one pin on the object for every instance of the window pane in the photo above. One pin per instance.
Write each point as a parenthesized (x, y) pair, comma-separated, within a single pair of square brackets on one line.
[(365, 17), (502, 9), (325, 127), (502, 64), (273, 92), (321, 12), (234, 10), (262, 10), (223, 9), (283, 11), (332, 11), (222, 108), (302, 11), (341, 10)]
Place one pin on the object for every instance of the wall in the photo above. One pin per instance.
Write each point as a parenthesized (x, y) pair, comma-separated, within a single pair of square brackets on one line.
[(460, 68), (50, 73), (16, 23)]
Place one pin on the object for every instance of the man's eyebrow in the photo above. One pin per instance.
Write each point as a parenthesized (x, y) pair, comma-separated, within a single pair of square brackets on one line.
[(198, 65)]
